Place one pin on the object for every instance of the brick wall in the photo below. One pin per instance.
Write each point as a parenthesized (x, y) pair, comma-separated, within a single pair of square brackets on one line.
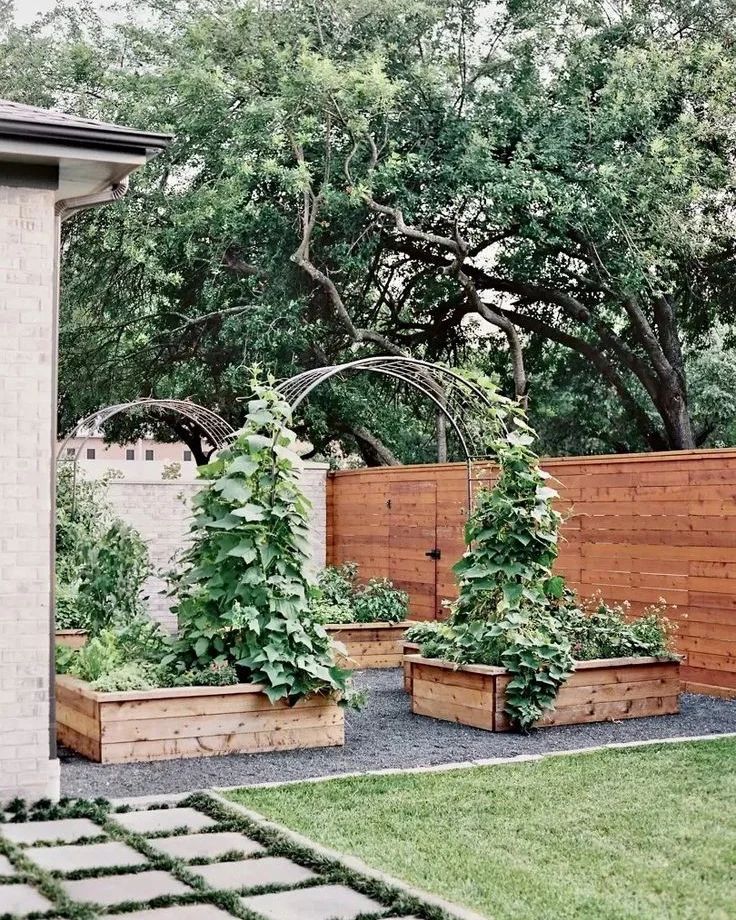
[(160, 512), (27, 385)]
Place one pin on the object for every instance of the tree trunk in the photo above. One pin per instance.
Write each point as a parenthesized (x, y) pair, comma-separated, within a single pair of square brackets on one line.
[(441, 437), (674, 411), (193, 439), (372, 449)]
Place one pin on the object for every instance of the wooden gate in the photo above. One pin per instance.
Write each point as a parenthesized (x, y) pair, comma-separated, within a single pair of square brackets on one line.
[(412, 537)]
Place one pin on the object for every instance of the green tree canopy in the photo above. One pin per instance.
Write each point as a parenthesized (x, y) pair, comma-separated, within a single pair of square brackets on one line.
[(453, 179)]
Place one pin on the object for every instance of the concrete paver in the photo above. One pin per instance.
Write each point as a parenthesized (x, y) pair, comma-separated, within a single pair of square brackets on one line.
[(163, 819), (185, 912), (22, 899), (114, 889), (206, 846), (323, 902), (253, 873), (66, 829), (71, 857)]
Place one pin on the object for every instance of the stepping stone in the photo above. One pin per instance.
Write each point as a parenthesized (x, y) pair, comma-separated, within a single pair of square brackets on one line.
[(252, 873), (22, 899), (68, 829), (325, 902), (206, 846), (115, 889), (6, 867), (85, 856), (188, 912), (163, 819)]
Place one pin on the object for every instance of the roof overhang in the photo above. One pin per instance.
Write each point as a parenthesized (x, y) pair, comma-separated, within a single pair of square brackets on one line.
[(90, 156)]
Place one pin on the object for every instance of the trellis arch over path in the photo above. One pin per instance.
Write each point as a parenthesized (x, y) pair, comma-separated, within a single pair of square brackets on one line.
[(214, 427), (462, 402)]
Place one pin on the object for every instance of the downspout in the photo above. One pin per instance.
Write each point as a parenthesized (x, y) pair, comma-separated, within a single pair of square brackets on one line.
[(63, 210)]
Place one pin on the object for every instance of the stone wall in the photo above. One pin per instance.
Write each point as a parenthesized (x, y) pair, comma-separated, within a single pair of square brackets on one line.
[(160, 512), (27, 409)]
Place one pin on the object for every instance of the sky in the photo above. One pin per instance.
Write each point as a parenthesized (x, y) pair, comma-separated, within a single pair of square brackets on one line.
[(27, 10)]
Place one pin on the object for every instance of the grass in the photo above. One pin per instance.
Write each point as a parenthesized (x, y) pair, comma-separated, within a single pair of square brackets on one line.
[(617, 835)]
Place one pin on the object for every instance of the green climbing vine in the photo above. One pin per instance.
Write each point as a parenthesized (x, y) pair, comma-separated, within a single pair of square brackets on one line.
[(243, 595), (508, 608)]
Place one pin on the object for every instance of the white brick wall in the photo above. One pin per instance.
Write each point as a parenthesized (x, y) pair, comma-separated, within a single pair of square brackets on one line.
[(27, 384), (160, 512)]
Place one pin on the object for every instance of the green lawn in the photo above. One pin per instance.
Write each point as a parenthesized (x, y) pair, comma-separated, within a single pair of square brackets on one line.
[(637, 833)]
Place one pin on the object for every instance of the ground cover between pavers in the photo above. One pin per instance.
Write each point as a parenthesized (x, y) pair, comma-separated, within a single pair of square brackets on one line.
[(194, 861)]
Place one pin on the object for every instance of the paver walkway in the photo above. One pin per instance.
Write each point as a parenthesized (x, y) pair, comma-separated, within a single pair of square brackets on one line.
[(179, 863)]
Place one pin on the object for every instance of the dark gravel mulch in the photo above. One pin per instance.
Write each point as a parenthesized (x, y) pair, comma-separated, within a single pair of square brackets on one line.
[(384, 734)]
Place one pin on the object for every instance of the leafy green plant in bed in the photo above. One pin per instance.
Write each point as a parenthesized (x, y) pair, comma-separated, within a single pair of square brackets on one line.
[(118, 658), (597, 629), (332, 598), (339, 598), (423, 631), (380, 602), (242, 596), (101, 562), (133, 657)]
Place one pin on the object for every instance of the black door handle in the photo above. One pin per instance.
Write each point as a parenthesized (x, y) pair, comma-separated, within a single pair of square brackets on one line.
[(434, 553)]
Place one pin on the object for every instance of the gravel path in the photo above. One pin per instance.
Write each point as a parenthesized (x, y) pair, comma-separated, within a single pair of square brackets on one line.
[(384, 734)]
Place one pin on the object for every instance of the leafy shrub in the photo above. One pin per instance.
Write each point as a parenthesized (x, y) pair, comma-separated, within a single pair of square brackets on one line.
[(505, 613), (64, 658), (215, 676), (243, 595), (596, 629), (100, 655), (333, 596), (475, 642), (114, 568), (132, 657), (340, 599), (101, 562), (126, 657), (380, 602), (423, 631), (131, 675)]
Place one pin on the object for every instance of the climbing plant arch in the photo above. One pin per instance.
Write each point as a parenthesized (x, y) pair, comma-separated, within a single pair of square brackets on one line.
[(467, 407), (216, 429)]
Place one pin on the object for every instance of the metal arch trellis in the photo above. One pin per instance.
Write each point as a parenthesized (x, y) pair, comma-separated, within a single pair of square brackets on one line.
[(217, 431), (456, 397)]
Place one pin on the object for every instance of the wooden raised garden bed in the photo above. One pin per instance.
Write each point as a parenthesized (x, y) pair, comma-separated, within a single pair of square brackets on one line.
[(72, 638), (370, 645), (141, 725), (598, 691)]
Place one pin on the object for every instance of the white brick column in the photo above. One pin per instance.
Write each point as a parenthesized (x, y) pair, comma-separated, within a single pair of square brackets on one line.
[(28, 247)]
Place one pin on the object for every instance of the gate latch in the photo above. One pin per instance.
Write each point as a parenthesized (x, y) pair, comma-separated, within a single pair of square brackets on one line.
[(434, 553)]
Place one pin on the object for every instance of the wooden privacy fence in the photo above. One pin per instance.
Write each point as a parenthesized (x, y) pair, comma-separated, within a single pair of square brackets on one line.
[(639, 527)]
